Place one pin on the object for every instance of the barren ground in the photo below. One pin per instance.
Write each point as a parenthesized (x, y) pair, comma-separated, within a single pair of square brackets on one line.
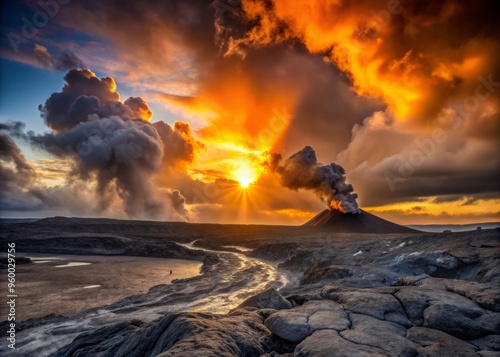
[(262, 291)]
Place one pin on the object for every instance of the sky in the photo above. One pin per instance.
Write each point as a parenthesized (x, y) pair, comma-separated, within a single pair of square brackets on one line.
[(251, 111)]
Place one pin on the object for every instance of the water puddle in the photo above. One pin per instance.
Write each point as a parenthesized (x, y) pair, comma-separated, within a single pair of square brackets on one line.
[(93, 281), (72, 264)]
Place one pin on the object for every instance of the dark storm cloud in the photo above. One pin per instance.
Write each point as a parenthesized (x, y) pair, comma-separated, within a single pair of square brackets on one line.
[(417, 56), (87, 98), (13, 127), (416, 165), (328, 109), (466, 199), (302, 171), (64, 61), (483, 183), (168, 40), (110, 159)]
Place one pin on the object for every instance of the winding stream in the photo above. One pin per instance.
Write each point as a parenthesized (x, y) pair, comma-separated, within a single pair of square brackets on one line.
[(250, 277), (233, 279)]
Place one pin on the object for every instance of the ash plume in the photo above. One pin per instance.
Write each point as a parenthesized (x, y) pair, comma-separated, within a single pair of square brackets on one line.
[(82, 95), (178, 201), (124, 155), (302, 170), (114, 145)]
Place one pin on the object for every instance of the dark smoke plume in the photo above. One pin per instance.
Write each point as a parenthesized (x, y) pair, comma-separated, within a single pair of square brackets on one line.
[(302, 170), (114, 144), (178, 202)]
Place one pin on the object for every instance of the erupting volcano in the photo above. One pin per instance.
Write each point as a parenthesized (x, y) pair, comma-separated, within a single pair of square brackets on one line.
[(328, 182)]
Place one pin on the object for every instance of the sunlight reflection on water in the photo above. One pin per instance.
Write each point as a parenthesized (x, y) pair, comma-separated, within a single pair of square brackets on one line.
[(72, 264)]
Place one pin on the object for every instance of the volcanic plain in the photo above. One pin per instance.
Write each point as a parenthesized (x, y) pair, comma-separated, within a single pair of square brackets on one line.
[(253, 290)]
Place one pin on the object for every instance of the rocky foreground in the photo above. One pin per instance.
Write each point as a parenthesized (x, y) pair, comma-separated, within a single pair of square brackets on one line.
[(417, 295)]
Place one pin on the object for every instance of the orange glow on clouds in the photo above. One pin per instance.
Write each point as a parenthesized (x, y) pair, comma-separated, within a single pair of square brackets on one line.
[(429, 211), (365, 40), (239, 125), (232, 91)]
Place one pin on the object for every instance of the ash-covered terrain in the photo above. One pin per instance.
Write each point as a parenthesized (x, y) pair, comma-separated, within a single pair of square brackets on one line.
[(276, 291)]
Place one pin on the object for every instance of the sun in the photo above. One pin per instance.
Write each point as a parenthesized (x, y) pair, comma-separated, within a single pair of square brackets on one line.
[(245, 181), (245, 177)]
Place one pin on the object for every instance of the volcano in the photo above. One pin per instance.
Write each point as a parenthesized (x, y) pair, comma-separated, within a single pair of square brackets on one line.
[(363, 222)]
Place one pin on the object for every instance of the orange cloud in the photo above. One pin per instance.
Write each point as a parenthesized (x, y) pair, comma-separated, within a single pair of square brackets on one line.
[(429, 211), (243, 117), (419, 58), (400, 51)]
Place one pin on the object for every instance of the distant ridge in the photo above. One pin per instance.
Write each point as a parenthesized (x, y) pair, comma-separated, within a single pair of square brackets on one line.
[(363, 222)]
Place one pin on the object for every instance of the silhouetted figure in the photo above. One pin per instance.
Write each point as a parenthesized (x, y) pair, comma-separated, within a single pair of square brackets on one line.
[(170, 272)]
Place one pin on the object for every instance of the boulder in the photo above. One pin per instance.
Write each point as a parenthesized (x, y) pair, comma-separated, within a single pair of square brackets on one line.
[(491, 342), (455, 321), (438, 344), (385, 335), (332, 272), (328, 343), (380, 306), (296, 324), (268, 299), (290, 325), (489, 354), (184, 334)]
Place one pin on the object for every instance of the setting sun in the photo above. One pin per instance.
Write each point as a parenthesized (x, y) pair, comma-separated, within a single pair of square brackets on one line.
[(244, 177), (245, 182)]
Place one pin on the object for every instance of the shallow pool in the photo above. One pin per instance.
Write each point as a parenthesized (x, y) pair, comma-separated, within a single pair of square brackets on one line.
[(89, 281)]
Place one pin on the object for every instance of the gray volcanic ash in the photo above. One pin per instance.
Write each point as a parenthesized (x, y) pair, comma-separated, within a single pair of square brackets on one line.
[(303, 171)]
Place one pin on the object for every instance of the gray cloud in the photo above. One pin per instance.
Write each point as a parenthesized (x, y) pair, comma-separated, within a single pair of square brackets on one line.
[(63, 61), (139, 108), (415, 165), (82, 95), (15, 172), (112, 145), (180, 145)]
